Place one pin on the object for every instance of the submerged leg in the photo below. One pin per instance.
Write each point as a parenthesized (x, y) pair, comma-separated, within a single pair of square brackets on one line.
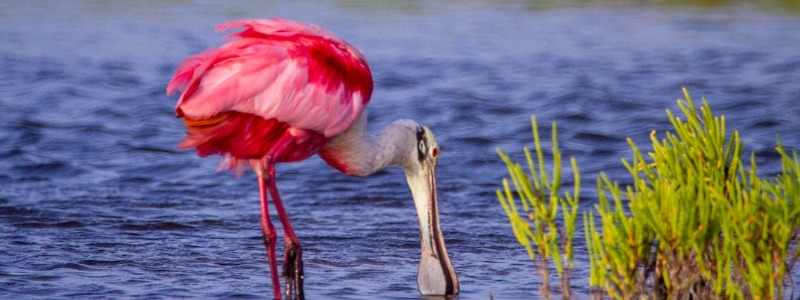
[(269, 236), (293, 256)]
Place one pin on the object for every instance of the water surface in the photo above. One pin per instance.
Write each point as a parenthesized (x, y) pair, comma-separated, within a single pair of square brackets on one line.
[(96, 201)]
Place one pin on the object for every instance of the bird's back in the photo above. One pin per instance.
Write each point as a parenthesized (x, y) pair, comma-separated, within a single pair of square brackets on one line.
[(278, 87)]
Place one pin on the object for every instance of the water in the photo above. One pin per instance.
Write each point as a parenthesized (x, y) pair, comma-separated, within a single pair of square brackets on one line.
[(95, 201)]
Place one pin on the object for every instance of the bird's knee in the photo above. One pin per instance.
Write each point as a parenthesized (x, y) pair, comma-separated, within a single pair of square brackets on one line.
[(268, 231)]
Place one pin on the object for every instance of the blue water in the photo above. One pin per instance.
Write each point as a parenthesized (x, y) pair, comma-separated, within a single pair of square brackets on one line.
[(96, 201)]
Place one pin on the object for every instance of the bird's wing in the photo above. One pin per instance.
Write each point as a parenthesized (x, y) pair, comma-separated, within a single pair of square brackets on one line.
[(296, 73)]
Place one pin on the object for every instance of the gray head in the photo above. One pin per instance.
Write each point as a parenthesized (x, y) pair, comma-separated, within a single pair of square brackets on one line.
[(436, 275)]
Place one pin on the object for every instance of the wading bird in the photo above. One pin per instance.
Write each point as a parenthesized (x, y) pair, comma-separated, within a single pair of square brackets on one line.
[(282, 91)]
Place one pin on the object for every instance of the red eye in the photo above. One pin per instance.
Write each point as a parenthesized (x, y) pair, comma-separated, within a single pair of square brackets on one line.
[(435, 152)]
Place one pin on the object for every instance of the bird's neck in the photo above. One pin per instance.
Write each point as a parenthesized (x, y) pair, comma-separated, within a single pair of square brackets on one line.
[(355, 152)]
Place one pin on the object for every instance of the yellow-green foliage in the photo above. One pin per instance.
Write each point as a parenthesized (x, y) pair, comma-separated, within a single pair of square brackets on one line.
[(546, 225), (695, 221)]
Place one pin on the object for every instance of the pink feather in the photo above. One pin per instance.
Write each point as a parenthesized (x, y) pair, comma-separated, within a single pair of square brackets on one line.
[(284, 77)]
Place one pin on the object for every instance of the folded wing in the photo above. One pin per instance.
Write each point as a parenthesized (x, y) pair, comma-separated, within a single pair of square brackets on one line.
[(296, 73)]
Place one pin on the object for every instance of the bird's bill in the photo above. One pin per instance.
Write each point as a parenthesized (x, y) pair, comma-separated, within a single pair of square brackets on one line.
[(436, 275)]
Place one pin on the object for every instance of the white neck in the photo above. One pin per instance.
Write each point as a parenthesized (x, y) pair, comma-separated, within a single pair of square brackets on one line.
[(355, 152)]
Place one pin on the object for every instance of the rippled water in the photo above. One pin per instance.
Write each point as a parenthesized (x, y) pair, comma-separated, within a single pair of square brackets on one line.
[(96, 201)]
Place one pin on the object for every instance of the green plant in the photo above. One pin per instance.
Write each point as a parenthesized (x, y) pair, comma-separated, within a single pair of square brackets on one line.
[(695, 222), (551, 231)]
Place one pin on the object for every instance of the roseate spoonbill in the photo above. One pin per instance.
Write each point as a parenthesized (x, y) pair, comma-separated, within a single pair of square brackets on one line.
[(282, 91)]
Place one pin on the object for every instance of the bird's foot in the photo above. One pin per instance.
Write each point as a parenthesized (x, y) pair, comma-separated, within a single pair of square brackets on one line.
[(293, 271)]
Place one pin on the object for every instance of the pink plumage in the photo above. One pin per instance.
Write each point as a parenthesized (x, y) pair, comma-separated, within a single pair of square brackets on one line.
[(278, 88)]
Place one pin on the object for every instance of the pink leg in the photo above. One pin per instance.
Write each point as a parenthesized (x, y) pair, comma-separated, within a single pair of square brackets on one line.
[(269, 236), (293, 256)]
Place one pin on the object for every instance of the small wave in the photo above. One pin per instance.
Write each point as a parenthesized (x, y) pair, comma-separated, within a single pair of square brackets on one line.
[(154, 226), (69, 265)]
